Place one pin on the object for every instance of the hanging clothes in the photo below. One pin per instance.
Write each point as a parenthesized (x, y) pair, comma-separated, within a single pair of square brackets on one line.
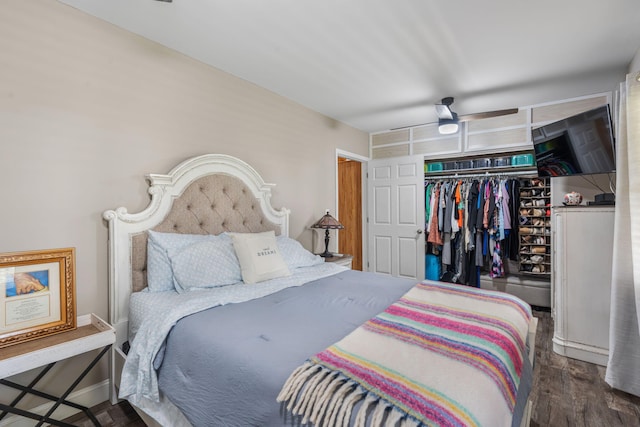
[(469, 224), (434, 236), (497, 231)]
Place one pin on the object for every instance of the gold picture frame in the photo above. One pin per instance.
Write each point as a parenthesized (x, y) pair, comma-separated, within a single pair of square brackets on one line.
[(37, 294)]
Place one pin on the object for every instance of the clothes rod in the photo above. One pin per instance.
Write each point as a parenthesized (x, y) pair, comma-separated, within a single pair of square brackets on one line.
[(532, 173)]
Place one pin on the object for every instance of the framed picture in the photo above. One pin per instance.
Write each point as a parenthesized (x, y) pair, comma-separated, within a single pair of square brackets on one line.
[(37, 294)]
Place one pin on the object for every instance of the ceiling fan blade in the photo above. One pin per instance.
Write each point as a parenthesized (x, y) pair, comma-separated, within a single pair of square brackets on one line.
[(487, 114), (462, 118), (414, 126), (443, 111)]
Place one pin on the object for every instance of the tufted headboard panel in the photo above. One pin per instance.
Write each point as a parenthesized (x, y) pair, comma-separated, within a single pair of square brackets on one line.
[(211, 205)]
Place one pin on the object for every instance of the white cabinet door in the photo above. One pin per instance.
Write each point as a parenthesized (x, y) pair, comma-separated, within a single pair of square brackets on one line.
[(583, 251), (396, 216)]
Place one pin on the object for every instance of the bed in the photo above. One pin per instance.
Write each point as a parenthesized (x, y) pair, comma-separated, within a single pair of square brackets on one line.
[(258, 337)]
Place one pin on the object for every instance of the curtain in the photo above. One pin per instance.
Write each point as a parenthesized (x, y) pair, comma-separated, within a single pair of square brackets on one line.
[(623, 368)]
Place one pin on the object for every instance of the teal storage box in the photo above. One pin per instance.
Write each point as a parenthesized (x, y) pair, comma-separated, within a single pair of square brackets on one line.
[(522, 160), (434, 167), (432, 267)]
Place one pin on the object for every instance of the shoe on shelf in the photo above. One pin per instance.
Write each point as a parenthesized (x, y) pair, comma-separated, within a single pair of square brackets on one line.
[(538, 268), (536, 259)]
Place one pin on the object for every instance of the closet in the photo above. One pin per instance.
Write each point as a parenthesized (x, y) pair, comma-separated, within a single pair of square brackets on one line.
[(490, 230), (471, 224), (461, 156)]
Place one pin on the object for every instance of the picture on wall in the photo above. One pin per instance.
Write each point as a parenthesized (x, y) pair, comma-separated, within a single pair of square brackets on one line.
[(37, 294)]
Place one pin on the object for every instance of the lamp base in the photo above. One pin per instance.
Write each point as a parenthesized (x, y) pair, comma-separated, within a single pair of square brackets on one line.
[(326, 253)]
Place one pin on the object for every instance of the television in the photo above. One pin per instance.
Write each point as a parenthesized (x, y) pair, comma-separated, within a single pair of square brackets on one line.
[(580, 144)]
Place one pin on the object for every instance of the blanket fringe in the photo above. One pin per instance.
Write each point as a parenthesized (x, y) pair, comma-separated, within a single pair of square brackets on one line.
[(336, 403), (326, 399), (296, 381), (325, 379), (323, 399), (410, 422), (394, 417), (303, 406), (361, 416), (378, 414), (344, 416)]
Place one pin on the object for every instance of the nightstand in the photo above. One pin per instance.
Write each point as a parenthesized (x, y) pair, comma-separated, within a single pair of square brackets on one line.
[(344, 260), (92, 333)]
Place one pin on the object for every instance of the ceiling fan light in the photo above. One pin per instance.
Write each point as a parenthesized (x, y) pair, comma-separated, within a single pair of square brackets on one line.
[(448, 126)]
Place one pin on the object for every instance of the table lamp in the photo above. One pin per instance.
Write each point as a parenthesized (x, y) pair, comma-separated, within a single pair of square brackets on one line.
[(327, 222)]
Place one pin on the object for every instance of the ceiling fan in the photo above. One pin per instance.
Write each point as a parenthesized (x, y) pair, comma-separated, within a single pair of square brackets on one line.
[(449, 121)]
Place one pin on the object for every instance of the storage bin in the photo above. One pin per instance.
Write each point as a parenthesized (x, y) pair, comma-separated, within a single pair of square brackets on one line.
[(502, 161), (464, 164), (449, 166), (434, 167), (432, 267), (522, 160), (482, 163)]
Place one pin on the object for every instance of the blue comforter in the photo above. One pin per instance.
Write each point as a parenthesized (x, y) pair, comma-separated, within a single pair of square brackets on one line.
[(245, 352), (224, 366)]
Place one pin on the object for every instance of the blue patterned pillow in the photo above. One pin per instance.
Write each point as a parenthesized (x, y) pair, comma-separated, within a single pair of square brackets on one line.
[(159, 272), (295, 255), (207, 264)]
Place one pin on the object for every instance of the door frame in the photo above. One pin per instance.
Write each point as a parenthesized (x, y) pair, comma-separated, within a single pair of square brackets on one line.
[(363, 176)]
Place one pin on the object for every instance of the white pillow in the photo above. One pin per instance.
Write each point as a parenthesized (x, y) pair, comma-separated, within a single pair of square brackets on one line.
[(159, 273), (207, 264), (295, 255), (259, 256)]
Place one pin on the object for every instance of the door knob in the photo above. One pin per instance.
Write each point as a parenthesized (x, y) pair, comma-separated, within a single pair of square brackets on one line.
[(419, 231)]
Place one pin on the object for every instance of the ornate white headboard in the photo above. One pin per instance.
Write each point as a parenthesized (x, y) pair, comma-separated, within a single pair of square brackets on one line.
[(208, 194)]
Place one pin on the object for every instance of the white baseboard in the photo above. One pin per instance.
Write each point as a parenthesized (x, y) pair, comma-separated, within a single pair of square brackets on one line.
[(88, 396)]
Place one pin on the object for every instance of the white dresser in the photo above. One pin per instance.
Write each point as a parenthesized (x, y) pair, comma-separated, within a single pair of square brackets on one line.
[(581, 281)]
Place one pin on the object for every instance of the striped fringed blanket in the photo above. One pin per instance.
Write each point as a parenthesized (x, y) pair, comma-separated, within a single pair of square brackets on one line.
[(442, 355)]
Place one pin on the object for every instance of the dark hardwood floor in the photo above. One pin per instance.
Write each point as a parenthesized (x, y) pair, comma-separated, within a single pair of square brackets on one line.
[(570, 392), (566, 393)]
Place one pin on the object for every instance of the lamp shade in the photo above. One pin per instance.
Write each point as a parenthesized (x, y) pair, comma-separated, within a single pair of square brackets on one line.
[(327, 222), (449, 126)]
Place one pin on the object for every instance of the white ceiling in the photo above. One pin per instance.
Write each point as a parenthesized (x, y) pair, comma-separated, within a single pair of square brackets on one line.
[(382, 64)]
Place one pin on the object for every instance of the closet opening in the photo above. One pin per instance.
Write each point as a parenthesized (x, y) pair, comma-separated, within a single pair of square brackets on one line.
[(490, 230)]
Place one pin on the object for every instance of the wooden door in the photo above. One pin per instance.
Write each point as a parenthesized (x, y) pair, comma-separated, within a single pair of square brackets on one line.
[(350, 209)]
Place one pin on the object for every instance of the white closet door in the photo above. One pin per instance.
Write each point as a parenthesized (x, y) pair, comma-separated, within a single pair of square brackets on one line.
[(396, 216)]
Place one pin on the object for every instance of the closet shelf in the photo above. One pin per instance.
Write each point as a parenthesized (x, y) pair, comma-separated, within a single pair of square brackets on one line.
[(535, 199)]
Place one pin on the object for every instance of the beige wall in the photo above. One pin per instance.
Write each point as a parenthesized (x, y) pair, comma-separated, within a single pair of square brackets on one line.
[(87, 109)]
